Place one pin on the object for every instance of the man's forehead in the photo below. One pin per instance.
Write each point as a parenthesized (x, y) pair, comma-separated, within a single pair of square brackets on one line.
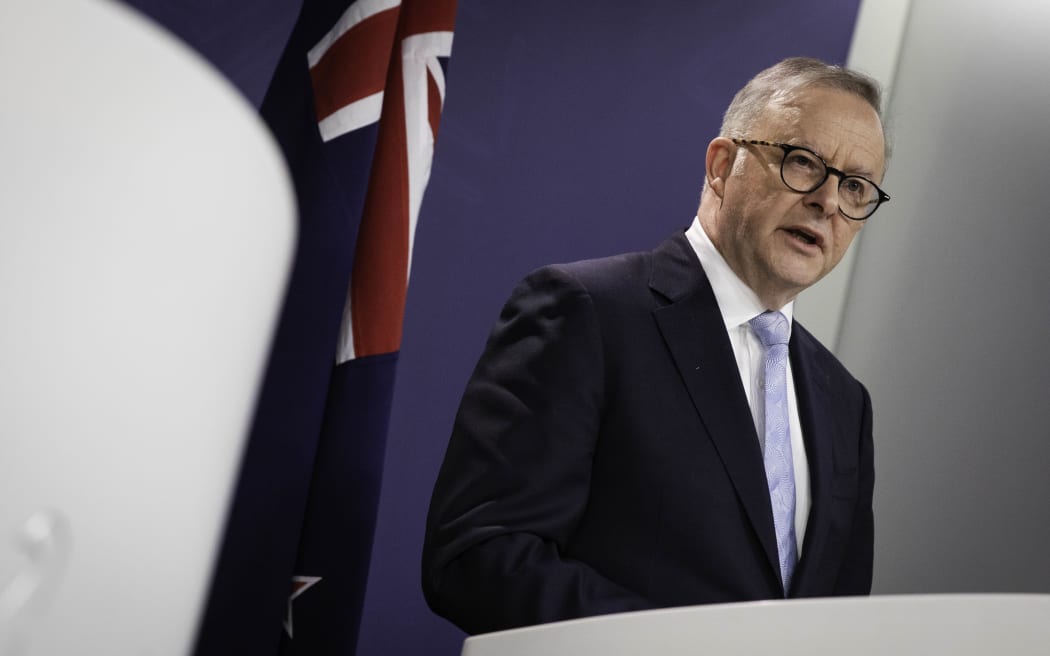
[(826, 119), (800, 103)]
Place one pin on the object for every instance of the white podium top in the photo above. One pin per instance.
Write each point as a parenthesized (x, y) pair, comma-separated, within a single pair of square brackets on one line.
[(959, 625)]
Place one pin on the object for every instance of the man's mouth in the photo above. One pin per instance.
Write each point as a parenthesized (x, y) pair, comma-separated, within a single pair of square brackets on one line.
[(804, 235)]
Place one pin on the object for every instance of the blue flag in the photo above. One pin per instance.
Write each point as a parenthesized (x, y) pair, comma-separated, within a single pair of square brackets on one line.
[(354, 103)]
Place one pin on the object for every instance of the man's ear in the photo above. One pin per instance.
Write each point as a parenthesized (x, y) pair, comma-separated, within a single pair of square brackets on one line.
[(719, 164)]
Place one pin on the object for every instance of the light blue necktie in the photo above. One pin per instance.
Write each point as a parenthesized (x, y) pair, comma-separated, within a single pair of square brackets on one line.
[(773, 331)]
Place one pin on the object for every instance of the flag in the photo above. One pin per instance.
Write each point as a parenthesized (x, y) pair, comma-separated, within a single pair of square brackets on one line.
[(354, 103)]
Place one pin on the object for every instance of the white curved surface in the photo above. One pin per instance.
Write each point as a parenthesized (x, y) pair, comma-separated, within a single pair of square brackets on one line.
[(146, 231), (960, 625)]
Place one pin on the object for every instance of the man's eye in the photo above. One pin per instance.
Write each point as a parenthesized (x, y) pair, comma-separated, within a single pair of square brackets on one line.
[(802, 162), (854, 187)]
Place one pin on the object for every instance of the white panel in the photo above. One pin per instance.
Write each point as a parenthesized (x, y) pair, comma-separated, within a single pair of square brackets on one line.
[(948, 312), (146, 227), (874, 50)]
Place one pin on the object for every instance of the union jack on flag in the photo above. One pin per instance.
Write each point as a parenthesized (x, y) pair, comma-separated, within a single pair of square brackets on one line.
[(354, 103)]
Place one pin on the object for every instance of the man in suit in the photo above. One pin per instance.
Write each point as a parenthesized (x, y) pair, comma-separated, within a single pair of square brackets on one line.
[(622, 444)]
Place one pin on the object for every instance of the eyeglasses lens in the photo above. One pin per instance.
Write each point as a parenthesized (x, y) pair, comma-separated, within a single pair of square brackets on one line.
[(803, 172)]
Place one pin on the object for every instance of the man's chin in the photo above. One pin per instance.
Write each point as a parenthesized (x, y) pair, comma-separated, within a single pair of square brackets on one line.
[(795, 279)]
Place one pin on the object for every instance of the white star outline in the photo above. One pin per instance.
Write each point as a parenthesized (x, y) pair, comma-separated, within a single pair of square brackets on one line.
[(300, 584)]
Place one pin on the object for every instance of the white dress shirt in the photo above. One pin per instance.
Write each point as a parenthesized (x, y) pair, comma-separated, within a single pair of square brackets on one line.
[(739, 304)]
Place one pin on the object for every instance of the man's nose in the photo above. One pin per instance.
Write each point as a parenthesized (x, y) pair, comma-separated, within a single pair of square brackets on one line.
[(826, 196)]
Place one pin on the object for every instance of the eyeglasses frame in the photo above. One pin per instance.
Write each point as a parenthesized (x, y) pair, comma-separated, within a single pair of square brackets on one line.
[(829, 170)]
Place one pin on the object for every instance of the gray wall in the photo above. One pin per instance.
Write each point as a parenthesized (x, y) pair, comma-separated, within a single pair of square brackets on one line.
[(946, 320)]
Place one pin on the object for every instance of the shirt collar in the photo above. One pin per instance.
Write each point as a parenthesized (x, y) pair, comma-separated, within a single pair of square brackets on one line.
[(737, 302)]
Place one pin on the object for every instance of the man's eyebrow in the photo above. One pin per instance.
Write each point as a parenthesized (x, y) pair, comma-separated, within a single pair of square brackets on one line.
[(858, 172), (861, 173)]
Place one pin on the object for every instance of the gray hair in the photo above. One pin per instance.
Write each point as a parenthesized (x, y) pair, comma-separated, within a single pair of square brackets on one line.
[(787, 77)]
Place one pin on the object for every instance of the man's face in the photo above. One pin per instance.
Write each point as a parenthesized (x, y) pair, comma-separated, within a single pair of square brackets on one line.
[(780, 241)]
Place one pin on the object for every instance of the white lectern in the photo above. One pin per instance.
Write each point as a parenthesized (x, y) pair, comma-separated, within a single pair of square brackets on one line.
[(146, 230), (955, 625)]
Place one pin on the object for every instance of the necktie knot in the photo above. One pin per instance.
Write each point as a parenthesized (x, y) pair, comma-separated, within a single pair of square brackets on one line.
[(772, 328)]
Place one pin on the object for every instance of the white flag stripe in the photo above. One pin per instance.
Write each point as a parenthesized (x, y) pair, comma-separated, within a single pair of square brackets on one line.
[(351, 117), (419, 52), (353, 15)]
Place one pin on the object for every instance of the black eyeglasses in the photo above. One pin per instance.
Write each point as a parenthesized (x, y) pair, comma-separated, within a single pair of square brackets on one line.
[(804, 171)]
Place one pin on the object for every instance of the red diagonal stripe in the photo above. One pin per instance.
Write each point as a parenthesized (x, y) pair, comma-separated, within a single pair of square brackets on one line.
[(355, 66)]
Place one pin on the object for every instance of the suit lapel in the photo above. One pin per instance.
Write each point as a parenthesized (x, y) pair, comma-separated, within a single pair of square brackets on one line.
[(818, 429), (692, 327)]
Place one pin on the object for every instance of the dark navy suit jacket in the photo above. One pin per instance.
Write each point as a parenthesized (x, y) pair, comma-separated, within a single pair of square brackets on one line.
[(604, 458)]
